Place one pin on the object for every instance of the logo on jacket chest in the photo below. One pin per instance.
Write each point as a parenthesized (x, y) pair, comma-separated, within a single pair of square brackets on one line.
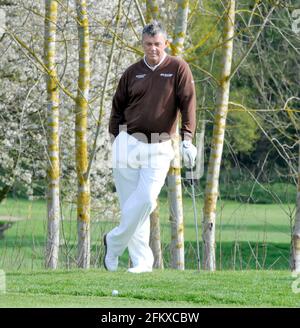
[(140, 76), (166, 74)]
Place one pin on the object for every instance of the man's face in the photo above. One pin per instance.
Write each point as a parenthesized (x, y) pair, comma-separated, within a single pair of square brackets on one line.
[(154, 47)]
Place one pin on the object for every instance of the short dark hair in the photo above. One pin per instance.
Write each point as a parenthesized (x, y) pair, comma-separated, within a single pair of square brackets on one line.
[(154, 28)]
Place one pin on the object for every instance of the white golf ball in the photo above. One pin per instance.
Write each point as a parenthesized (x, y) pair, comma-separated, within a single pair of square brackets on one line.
[(115, 292)]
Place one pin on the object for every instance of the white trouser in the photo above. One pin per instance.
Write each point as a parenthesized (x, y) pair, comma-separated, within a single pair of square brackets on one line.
[(139, 171)]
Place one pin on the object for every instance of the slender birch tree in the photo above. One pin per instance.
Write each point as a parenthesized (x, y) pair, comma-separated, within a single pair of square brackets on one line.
[(174, 174), (296, 230), (212, 182), (53, 172), (81, 112), (155, 240)]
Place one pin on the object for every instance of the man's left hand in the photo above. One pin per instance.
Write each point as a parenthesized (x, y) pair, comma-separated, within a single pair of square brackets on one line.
[(189, 153)]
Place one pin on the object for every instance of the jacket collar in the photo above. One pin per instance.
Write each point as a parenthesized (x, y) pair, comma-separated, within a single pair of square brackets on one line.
[(153, 68)]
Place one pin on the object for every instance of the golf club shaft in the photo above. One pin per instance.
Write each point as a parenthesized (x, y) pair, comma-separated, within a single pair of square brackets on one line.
[(195, 218)]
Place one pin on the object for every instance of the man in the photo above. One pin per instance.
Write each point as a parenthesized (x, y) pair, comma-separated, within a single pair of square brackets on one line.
[(143, 120)]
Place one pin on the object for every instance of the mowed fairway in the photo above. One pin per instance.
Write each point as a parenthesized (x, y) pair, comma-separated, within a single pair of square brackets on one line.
[(252, 251), (168, 288)]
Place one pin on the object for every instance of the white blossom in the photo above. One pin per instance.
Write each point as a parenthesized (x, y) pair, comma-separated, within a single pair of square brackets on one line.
[(23, 103)]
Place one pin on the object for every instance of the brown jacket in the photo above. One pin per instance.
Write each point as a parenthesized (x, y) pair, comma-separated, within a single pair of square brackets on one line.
[(148, 102)]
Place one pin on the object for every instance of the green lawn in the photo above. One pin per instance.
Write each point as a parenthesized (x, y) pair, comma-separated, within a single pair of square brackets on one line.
[(248, 236), (167, 288), (252, 250)]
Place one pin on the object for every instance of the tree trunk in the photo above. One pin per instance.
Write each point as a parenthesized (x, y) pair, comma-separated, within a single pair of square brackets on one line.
[(53, 173), (83, 196), (155, 242), (212, 182), (295, 261), (174, 174), (180, 27)]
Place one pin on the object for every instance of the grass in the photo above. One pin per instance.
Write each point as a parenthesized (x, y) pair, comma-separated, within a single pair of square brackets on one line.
[(263, 193), (253, 246), (168, 288), (248, 236)]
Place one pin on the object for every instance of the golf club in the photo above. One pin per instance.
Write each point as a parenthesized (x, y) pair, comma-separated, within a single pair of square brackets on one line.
[(195, 218)]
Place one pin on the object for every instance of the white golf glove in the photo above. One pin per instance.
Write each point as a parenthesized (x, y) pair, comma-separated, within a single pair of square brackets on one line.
[(189, 153)]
